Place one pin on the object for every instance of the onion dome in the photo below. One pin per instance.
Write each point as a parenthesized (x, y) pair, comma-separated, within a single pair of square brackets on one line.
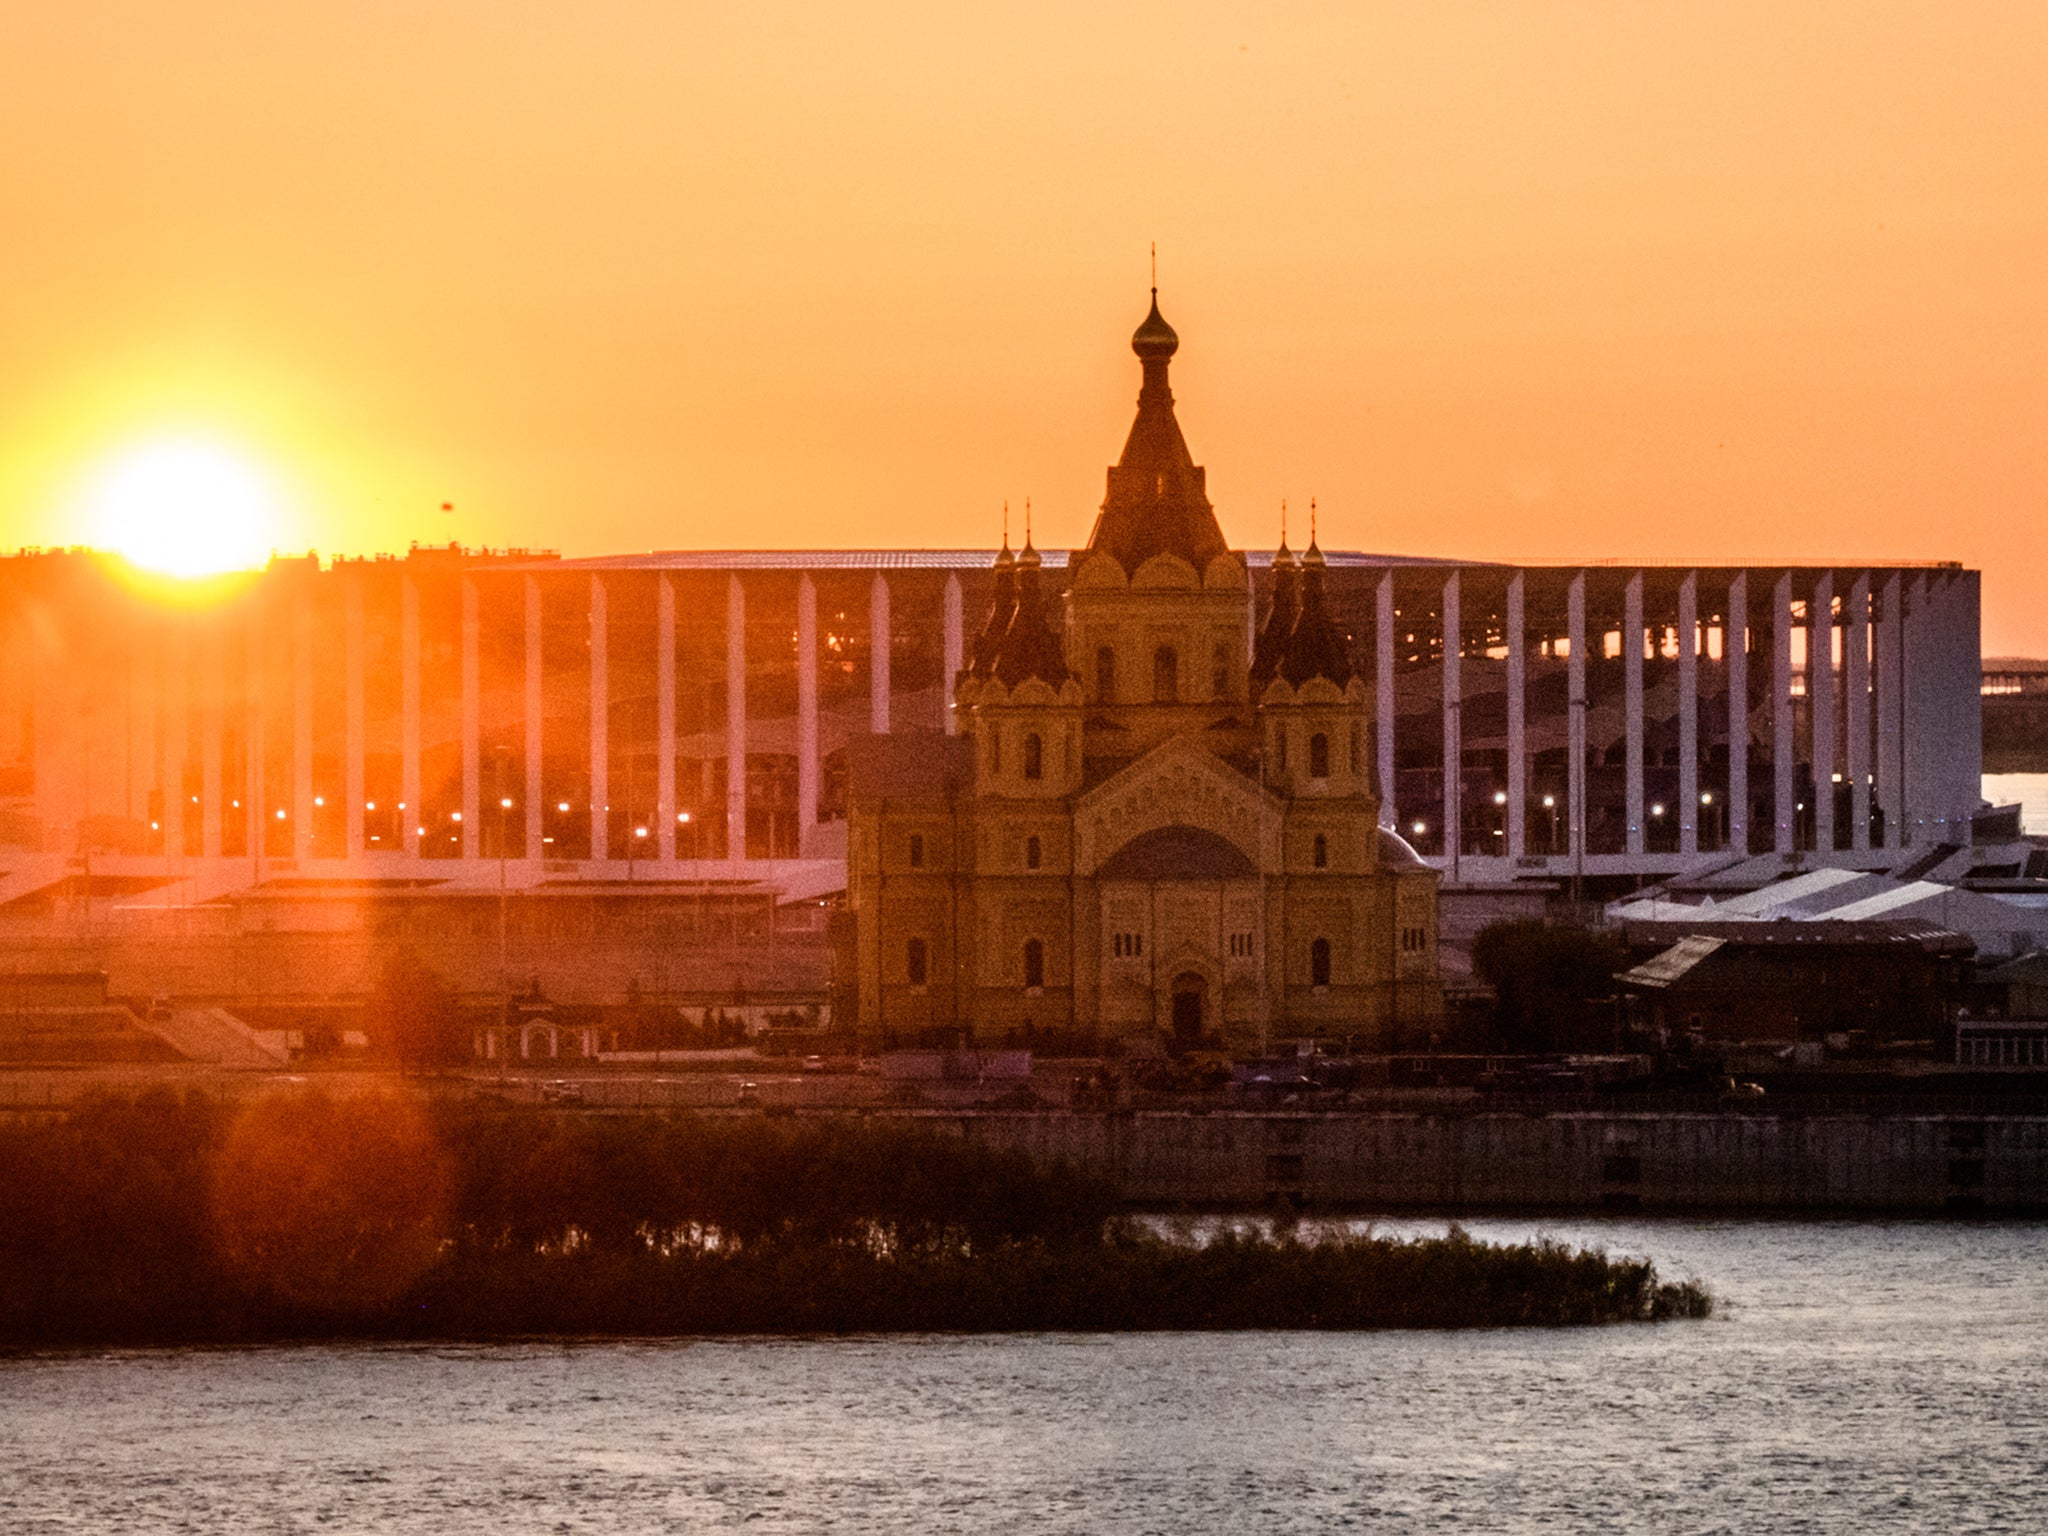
[(1002, 604), (1155, 338), (1157, 501), (1315, 648), (1280, 617), (1030, 647)]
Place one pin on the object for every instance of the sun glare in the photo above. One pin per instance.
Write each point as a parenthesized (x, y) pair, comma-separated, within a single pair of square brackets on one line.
[(184, 507)]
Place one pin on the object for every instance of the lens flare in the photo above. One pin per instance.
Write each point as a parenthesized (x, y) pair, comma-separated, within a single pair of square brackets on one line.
[(184, 507)]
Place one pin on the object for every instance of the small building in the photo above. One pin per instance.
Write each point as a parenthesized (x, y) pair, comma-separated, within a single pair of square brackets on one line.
[(1885, 981)]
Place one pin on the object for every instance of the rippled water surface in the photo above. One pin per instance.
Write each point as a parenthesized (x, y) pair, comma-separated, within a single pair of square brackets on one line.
[(1863, 1377)]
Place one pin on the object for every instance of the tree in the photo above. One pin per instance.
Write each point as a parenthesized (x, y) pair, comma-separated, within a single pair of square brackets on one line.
[(1549, 983), (414, 1017)]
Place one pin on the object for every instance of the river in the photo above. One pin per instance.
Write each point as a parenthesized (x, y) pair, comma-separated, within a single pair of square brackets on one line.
[(1863, 1376)]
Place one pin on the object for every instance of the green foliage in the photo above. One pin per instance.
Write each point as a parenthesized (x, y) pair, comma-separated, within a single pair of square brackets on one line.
[(573, 1224), (1550, 982)]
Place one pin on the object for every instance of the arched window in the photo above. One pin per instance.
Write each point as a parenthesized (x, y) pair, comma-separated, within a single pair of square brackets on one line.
[(1166, 675), (1319, 756), (1034, 757), (1219, 672), (1322, 852), (1319, 963), (914, 961), (1034, 963), (917, 850), (1105, 676), (1031, 853)]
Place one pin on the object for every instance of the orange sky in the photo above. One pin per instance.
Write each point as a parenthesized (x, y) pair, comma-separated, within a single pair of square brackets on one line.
[(1544, 281)]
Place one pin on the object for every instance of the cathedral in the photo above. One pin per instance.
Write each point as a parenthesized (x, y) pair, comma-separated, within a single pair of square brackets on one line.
[(1157, 818)]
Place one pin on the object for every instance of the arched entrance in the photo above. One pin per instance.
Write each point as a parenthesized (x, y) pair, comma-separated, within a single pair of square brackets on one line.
[(1190, 994)]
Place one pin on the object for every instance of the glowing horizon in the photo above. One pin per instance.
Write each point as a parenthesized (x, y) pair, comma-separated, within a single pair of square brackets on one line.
[(1702, 283)]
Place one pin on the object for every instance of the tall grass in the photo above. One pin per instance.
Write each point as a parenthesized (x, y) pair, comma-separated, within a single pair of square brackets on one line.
[(170, 1220)]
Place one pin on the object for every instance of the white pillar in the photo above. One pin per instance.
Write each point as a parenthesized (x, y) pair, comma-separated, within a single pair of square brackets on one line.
[(1689, 714), (1453, 703), (1782, 750), (956, 647), (302, 722), (1575, 693), (1916, 717), (177, 683), (600, 723), (256, 809), (664, 718), (1856, 713), (807, 698), (213, 706), (409, 645), (1518, 753), (1735, 665), (472, 725), (535, 713), (1632, 705), (355, 733), (145, 651), (878, 656), (1383, 697), (735, 719), (1820, 704), (1891, 712)]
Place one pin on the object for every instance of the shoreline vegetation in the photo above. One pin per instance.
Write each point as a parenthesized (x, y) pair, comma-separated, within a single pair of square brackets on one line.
[(169, 1220)]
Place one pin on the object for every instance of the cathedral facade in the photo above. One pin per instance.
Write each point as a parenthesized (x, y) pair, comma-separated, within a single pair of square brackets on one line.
[(1158, 814)]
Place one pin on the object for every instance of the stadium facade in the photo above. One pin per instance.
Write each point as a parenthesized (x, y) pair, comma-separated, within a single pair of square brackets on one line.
[(503, 717)]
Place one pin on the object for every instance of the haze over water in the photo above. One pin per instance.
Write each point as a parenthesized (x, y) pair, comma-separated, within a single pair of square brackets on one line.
[(1863, 1376)]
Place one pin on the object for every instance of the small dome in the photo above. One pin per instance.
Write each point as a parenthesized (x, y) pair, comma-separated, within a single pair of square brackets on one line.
[(1395, 852), (1155, 338)]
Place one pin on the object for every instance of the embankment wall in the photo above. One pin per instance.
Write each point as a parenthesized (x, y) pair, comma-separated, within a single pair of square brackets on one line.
[(1586, 1160)]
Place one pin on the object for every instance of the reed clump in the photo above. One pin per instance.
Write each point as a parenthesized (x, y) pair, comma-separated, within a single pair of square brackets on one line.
[(164, 1219)]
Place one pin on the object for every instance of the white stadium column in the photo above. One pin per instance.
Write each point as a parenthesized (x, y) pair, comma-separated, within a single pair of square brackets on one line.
[(145, 651), (302, 726), (1915, 674), (534, 713), (472, 724), (1856, 709), (600, 723), (1383, 696), (1782, 751), (664, 718), (1453, 705), (256, 807), (177, 717), (1518, 725), (878, 655), (807, 706), (956, 648), (1632, 704), (1575, 703), (213, 706), (409, 646), (1689, 714), (1820, 702), (1735, 665), (735, 719), (355, 735)]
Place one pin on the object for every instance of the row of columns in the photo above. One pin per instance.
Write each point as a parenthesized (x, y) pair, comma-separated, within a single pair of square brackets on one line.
[(1912, 610), (176, 664)]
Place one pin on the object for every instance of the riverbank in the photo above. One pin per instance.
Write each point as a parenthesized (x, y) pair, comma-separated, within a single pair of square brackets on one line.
[(169, 1220)]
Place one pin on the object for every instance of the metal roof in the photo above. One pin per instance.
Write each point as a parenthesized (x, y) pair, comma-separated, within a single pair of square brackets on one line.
[(1673, 964)]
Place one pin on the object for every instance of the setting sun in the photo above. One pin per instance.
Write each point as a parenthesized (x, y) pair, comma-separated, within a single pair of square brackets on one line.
[(184, 507)]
